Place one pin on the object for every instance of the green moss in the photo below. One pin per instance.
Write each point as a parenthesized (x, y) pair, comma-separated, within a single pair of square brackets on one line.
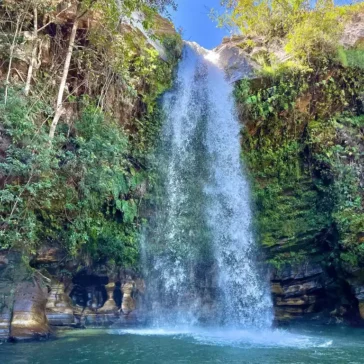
[(352, 57), (302, 144)]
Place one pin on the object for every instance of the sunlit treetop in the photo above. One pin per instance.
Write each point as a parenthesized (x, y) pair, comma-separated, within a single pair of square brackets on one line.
[(306, 29)]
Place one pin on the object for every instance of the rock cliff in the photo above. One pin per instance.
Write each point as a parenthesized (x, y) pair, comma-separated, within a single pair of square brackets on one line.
[(121, 60), (303, 145), (63, 260)]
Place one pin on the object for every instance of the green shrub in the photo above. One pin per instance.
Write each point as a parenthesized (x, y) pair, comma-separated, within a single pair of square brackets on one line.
[(77, 193)]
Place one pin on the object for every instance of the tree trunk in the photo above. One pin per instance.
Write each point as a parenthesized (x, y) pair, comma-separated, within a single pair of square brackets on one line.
[(34, 53), (12, 47), (59, 106)]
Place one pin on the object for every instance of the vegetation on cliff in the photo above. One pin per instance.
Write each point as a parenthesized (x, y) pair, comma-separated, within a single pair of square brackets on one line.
[(79, 118), (73, 167), (303, 140), (306, 31)]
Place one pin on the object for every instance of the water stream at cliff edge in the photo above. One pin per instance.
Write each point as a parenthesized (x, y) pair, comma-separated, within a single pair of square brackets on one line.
[(206, 284), (200, 257)]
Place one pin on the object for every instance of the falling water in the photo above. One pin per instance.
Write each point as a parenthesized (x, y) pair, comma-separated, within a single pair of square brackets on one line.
[(200, 255)]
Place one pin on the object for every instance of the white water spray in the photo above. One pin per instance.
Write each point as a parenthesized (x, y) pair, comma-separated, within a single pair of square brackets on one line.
[(201, 258)]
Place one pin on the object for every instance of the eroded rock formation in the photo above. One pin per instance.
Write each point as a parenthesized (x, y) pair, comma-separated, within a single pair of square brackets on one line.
[(29, 318)]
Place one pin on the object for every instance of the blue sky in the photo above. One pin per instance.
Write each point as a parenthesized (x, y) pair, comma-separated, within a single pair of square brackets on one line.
[(193, 17)]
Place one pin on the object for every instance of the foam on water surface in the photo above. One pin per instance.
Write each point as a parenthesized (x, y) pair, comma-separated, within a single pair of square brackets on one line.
[(277, 338)]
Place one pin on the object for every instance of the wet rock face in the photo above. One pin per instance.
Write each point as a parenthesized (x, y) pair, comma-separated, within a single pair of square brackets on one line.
[(22, 300), (298, 290), (236, 61), (356, 282), (59, 310), (95, 300), (359, 294), (307, 291), (239, 55), (5, 298), (5, 319), (48, 255), (110, 305), (29, 320), (31, 303), (128, 303)]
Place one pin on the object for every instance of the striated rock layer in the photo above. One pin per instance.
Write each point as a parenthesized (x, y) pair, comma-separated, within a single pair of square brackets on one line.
[(23, 301), (59, 308), (298, 290), (29, 320), (32, 305)]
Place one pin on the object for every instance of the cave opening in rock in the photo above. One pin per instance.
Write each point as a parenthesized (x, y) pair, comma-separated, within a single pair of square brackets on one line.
[(89, 290)]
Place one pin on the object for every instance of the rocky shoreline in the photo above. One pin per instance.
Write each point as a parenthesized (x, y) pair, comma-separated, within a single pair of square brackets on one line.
[(58, 297), (35, 303)]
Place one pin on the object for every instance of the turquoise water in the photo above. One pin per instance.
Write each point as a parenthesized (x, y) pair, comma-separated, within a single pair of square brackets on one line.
[(296, 346)]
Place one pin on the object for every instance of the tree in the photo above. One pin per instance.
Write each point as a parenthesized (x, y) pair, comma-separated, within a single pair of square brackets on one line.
[(112, 11), (305, 29), (38, 7), (21, 9), (34, 52), (59, 105)]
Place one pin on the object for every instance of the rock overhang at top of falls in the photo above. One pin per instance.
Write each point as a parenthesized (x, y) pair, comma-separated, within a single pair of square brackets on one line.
[(229, 56)]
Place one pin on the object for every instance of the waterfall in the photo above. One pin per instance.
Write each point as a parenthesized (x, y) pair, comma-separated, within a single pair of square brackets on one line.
[(200, 257)]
